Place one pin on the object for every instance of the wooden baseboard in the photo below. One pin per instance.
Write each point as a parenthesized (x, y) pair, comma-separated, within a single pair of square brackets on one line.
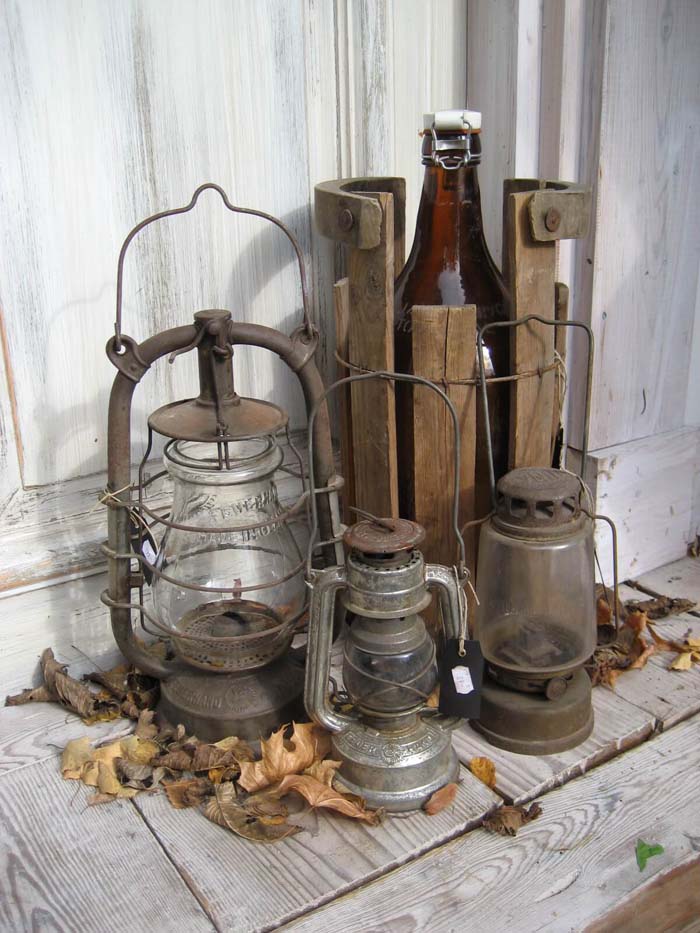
[(651, 490)]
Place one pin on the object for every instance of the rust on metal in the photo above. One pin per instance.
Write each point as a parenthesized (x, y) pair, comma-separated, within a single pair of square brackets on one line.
[(384, 536)]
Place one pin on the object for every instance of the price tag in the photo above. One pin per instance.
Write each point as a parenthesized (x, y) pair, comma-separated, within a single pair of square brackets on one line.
[(460, 679)]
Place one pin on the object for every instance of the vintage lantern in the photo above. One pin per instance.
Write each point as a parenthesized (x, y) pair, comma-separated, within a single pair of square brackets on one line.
[(536, 618), (395, 752), (226, 563)]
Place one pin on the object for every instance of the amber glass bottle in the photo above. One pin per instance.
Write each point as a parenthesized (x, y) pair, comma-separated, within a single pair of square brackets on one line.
[(450, 264)]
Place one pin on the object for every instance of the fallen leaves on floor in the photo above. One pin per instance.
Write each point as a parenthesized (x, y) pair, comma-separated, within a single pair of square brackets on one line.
[(485, 770), (644, 852), (225, 810), (631, 650), (440, 799), (508, 820), (324, 796), (281, 756), (125, 691)]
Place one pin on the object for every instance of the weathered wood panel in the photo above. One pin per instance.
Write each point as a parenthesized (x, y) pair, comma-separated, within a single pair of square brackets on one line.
[(67, 866), (276, 883), (619, 725), (561, 872)]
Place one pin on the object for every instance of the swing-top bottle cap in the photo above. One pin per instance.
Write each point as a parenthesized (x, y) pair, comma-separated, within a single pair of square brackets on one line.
[(460, 121)]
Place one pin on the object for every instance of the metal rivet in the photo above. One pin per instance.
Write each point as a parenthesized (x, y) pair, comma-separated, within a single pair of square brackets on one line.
[(552, 219), (345, 220), (556, 687)]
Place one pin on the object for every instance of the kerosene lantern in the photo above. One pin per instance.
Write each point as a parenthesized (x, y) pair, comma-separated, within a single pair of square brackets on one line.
[(226, 562), (395, 752), (536, 618)]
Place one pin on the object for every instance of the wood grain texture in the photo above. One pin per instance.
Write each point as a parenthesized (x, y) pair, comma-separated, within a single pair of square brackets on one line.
[(341, 296), (562, 871), (647, 252), (444, 342), (33, 733), (646, 487), (371, 347), (278, 882), (619, 725), (680, 578), (528, 270), (67, 866)]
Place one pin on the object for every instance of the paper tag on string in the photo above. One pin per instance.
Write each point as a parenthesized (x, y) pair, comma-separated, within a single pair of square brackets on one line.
[(460, 679)]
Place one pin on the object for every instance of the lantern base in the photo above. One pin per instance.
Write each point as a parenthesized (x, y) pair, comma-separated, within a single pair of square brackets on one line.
[(248, 704), (530, 724), (396, 772)]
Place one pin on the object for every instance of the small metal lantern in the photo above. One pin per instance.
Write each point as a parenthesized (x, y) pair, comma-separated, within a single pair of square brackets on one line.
[(395, 752), (536, 618), (227, 575)]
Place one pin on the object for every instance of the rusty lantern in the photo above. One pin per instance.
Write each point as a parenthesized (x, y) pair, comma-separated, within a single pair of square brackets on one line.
[(536, 618), (224, 560)]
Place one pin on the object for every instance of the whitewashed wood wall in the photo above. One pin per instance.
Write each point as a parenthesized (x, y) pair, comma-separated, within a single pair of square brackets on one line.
[(111, 111), (607, 92)]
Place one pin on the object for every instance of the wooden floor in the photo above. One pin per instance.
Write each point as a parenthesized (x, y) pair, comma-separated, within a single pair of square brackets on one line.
[(140, 865)]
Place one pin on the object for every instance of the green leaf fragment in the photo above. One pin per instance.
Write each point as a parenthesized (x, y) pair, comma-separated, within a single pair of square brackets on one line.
[(644, 851)]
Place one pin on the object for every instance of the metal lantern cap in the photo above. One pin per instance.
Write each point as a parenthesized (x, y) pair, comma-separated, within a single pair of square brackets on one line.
[(532, 498), (196, 419), (383, 536)]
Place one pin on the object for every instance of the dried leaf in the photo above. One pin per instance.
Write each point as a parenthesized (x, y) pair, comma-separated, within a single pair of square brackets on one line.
[(190, 793), (324, 771), (207, 757), (105, 755), (75, 695), (174, 761), (266, 807), (108, 782), (643, 852), (485, 770), (440, 799), (96, 799), (142, 777), (279, 757), (33, 695), (508, 820), (642, 658), (139, 751), (660, 607), (113, 681), (319, 795), (241, 749), (683, 662), (75, 755), (145, 727), (225, 810), (433, 700)]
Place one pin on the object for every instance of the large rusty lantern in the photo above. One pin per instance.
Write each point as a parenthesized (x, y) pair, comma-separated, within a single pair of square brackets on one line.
[(225, 562)]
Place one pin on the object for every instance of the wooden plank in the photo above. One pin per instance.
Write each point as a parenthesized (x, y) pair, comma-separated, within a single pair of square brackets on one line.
[(67, 866), (275, 883), (646, 487), (670, 696), (528, 270), (38, 731), (564, 870), (561, 313), (341, 301), (371, 346), (680, 578), (444, 343), (670, 902), (619, 725)]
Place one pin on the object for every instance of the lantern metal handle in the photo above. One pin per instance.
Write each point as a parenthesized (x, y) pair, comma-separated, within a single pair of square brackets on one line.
[(308, 326), (550, 322), (390, 377)]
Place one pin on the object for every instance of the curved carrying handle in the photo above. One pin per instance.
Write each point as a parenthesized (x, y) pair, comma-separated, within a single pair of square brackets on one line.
[(482, 383), (391, 377), (321, 613), (184, 210)]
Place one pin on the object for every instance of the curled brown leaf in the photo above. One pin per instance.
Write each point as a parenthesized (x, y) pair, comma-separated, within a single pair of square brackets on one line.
[(225, 810), (322, 796), (440, 799), (485, 770), (307, 744), (508, 820)]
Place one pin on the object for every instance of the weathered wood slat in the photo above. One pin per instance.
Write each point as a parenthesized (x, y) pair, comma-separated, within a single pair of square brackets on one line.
[(680, 578), (341, 299), (278, 882), (67, 866), (37, 731), (371, 346), (619, 725), (562, 871), (444, 342), (528, 269)]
